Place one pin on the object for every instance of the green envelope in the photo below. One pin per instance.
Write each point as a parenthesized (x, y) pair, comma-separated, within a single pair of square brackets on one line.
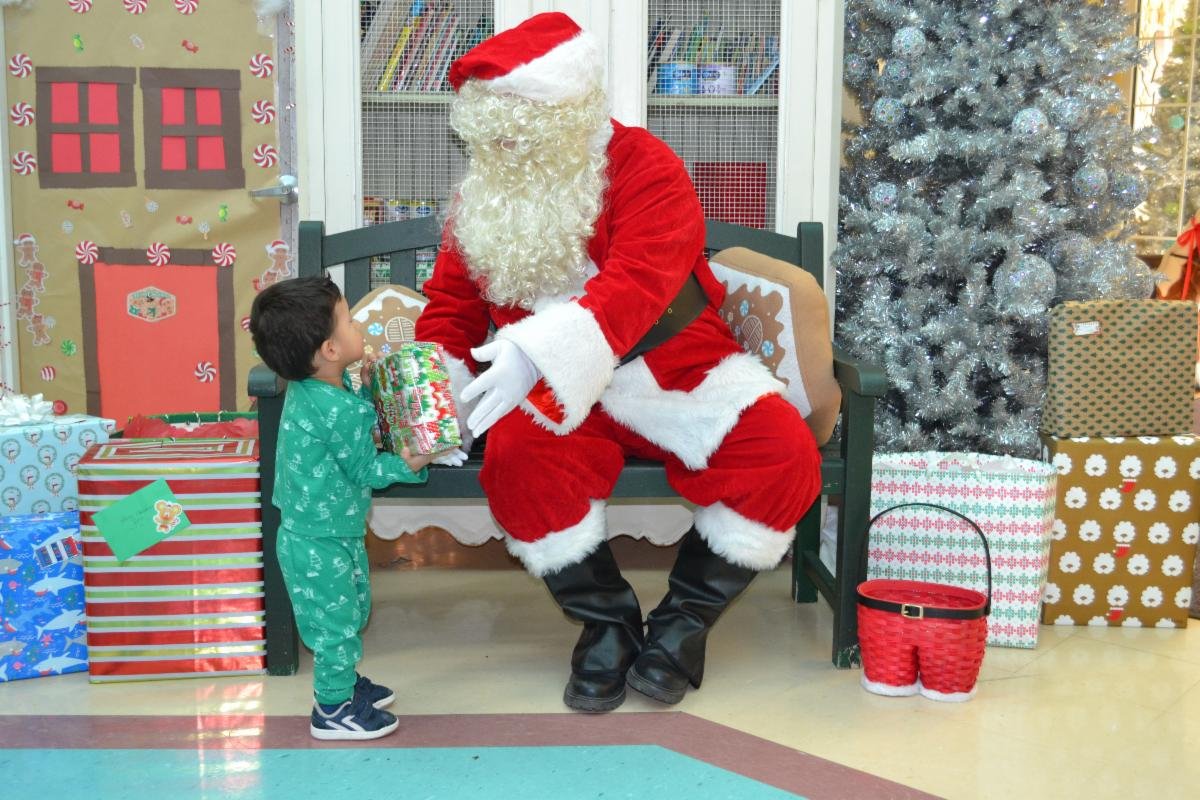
[(141, 520)]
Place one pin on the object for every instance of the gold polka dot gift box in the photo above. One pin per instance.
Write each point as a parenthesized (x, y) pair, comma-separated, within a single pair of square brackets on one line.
[(1120, 368), (1125, 530)]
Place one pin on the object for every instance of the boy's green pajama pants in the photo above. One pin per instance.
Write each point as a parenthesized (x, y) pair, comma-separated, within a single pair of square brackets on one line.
[(329, 583)]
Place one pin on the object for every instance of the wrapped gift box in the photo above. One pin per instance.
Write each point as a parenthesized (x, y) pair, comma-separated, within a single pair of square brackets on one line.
[(411, 387), (192, 604), (1010, 499), (42, 629), (1125, 530), (38, 460)]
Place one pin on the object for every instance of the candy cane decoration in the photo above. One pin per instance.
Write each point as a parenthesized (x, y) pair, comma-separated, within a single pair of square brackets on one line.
[(86, 252), (187, 6), (20, 66), (158, 254), (246, 324), (261, 65), (265, 155), (263, 112), (80, 6), (23, 163), (205, 372), (48, 373), (135, 6), (21, 114), (224, 254)]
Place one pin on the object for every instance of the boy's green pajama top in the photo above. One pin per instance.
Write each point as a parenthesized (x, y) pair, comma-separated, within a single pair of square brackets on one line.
[(326, 465)]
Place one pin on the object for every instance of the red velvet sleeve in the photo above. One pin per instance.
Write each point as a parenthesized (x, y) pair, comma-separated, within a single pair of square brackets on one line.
[(655, 234)]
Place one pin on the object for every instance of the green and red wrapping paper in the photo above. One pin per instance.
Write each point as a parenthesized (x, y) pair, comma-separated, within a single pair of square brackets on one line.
[(411, 389), (192, 604)]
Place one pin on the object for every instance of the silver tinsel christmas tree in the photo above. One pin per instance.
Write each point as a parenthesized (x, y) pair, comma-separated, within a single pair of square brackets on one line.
[(993, 177)]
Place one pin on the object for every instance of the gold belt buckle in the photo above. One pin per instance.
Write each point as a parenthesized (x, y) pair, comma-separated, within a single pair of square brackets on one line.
[(912, 611)]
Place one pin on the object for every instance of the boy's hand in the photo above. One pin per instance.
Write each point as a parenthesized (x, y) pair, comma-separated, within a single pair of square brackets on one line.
[(451, 458), (418, 461), (454, 457), (364, 374)]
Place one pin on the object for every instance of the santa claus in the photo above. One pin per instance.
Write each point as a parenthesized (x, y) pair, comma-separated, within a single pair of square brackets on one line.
[(581, 241)]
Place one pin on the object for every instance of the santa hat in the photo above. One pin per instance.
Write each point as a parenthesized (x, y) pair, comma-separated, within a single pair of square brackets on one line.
[(276, 246), (547, 58)]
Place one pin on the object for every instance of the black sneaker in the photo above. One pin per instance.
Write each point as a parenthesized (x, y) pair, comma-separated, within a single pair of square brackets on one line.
[(353, 719), (378, 696)]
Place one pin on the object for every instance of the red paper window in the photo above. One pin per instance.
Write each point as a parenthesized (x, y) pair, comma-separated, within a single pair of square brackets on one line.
[(85, 136), (193, 128)]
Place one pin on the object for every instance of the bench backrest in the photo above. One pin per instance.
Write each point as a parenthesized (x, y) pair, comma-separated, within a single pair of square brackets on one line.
[(399, 242)]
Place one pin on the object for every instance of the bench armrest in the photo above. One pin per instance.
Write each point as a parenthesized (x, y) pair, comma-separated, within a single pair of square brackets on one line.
[(858, 376), (263, 382)]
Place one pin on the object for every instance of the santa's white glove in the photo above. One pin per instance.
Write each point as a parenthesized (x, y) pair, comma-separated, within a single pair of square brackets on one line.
[(454, 458), (503, 386)]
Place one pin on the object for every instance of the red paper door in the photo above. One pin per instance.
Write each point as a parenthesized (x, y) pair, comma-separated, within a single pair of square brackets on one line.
[(156, 335)]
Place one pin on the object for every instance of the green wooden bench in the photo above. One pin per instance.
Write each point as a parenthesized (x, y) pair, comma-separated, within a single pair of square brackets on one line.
[(846, 470)]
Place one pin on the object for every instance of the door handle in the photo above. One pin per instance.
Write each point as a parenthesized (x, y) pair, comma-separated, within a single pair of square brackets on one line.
[(287, 189)]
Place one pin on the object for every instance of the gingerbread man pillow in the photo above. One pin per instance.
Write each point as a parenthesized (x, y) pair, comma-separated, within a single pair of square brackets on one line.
[(777, 311)]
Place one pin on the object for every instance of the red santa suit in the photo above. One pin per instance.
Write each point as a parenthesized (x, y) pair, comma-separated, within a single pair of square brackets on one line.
[(711, 412)]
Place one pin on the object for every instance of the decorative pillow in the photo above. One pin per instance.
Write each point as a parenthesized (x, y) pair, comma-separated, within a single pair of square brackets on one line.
[(778, 312), (388, 316)]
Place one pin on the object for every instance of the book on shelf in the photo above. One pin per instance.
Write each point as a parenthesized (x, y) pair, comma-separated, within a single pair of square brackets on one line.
[(755, 55), (410, 44)]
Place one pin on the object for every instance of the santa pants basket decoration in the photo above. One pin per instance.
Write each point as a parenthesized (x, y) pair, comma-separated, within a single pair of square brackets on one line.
[(917, 636)]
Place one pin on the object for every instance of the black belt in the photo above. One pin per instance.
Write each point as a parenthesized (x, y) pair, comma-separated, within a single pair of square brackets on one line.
[(916, 611), (682, 311)]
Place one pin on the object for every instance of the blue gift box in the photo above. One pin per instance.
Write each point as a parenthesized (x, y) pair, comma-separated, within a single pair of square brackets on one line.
[(42, 627), (38, 460)]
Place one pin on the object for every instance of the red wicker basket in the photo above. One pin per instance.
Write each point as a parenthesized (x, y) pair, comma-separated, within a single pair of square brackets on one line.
[(922, 637)]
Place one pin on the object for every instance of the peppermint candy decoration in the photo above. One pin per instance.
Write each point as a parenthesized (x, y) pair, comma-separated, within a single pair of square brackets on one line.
[(20, 66), (23, 163), (187, 6), (135, 6), (80, 6), (21, 114), (246, 324), (158, 254), (205, 372), (48, 373), (224, 254), (261, 65), (86, 252), (263, 112), (265, 155)]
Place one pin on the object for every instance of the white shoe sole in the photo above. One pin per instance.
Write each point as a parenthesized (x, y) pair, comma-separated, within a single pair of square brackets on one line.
[(351, 736), (385, 702)]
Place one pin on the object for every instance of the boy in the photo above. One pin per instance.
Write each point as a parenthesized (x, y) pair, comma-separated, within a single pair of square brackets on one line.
[(326, 466)]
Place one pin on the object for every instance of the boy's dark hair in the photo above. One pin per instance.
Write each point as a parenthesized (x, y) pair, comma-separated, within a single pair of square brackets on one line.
[(290, 321)]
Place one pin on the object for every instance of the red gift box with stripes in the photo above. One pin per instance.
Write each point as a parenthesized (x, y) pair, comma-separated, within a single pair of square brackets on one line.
[(192, 604)]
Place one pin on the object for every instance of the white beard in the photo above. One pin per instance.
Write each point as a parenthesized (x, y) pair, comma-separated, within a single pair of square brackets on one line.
[(528, 205), (526, 238)]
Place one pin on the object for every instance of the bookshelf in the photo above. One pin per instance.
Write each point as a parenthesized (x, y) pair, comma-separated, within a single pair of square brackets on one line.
[(410, 158), (396, 145)]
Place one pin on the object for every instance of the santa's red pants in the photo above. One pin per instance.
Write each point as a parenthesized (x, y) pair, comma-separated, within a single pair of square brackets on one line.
[(767, 469)]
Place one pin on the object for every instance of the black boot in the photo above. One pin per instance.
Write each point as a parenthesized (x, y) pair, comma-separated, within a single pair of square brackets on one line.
[(594, 593), (702, 585)]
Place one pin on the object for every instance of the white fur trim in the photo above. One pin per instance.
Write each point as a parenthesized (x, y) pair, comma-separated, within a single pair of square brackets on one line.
[(460, 376), (888, 690), (567, 72), (945, 697), (692, 424), (739, 540), (562, 548), (567, 346)]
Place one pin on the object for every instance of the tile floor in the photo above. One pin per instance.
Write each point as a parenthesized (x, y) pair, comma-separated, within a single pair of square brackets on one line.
[(1091, 713)]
